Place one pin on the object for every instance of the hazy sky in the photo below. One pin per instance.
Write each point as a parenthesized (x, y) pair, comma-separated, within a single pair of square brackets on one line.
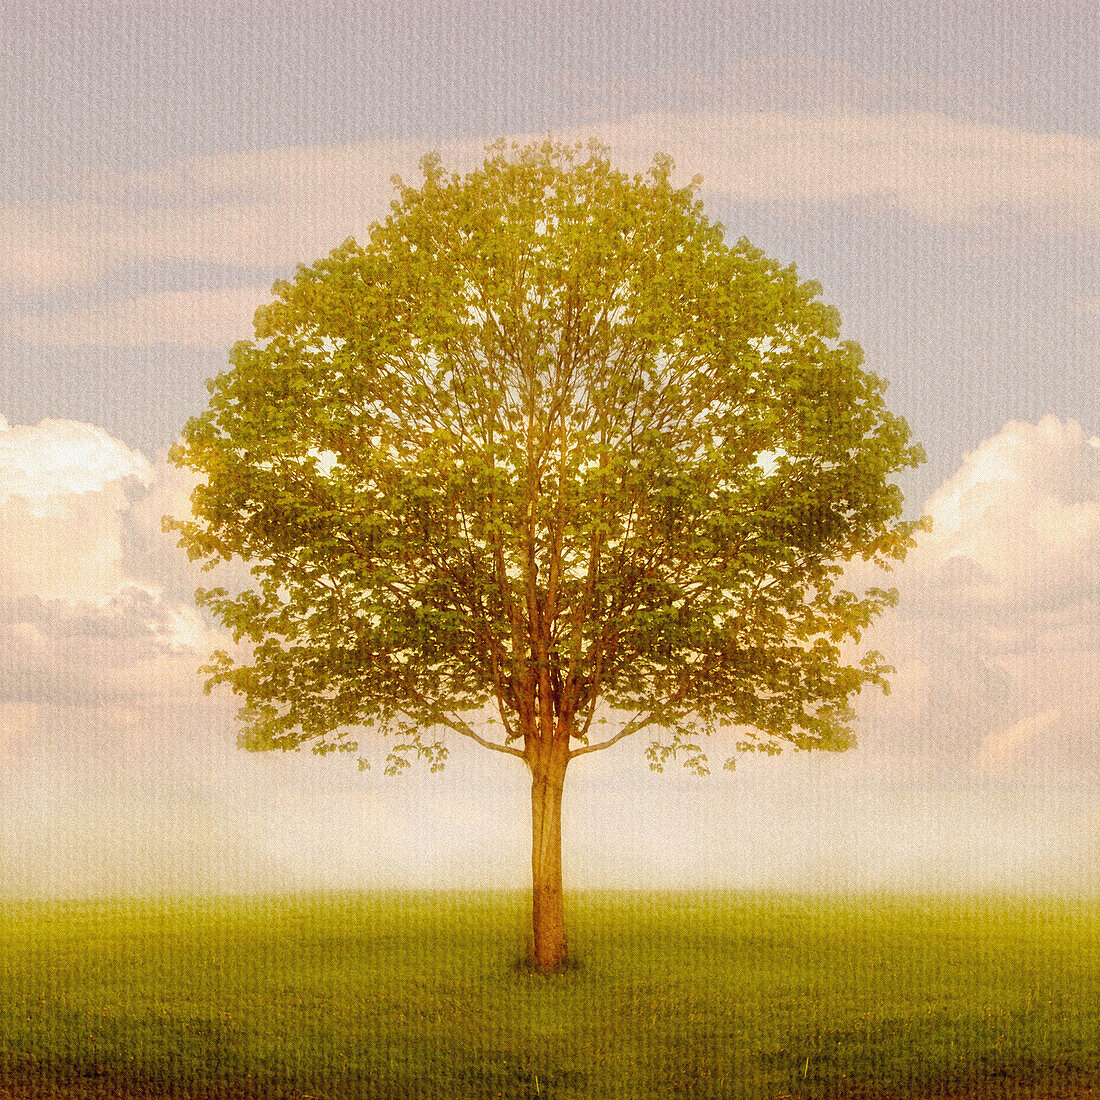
[(936, 167)]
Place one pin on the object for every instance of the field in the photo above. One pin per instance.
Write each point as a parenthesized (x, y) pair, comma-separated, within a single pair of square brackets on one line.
[(420, 995)]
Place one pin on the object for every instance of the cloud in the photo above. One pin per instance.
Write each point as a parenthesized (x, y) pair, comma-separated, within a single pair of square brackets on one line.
[(786, 84), (1019, 523), (63, 489), (140, 648), (77, 619), (107, 774), (147, 551), (190, 318), (932, 166), (268, 209), (56, 260), (1003, 747), (60, 458), (995, 636), (118, 775)]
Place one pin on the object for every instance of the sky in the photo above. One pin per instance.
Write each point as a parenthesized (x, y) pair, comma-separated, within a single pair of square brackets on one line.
[(935, 167)]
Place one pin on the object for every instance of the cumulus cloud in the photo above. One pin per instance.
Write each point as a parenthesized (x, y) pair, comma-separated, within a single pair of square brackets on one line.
[(978, 771), (147, 551), (59, 458), (267, 209), (995, 639), (1019, 523), (139, 647), (106, 739), (77, 620), (63, 488)]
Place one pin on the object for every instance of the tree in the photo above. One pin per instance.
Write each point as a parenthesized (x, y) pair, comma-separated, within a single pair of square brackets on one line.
[(546, 452)]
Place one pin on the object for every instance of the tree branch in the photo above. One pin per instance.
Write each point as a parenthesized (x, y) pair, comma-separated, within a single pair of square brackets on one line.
[(631, 727), (461, 727)]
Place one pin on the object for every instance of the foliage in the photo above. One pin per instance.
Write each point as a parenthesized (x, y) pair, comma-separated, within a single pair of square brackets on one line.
[(546, 447)]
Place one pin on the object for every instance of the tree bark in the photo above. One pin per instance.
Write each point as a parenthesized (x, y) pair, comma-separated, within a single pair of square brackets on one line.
[(548, 778)]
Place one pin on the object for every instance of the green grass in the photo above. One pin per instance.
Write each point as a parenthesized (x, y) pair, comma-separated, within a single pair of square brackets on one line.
[(674, 995)]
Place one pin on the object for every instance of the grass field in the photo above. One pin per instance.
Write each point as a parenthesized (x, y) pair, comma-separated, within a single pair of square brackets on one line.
[(673, 995)]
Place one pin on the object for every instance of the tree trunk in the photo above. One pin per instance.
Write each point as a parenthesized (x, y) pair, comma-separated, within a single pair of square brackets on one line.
[(548, 778)]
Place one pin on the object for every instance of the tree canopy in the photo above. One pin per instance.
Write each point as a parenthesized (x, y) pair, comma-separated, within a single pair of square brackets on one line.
[(546, 449)]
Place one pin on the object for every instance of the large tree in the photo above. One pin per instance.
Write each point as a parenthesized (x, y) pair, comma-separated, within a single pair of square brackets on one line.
[(546, 452)]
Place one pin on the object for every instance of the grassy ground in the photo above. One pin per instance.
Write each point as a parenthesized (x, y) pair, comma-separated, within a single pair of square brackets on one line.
[(674, 995)]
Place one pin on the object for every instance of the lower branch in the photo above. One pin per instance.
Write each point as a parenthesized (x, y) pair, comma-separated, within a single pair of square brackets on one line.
[(635, 724), (460, 727)]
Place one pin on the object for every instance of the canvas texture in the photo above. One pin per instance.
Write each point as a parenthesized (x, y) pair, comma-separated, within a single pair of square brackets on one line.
[(539, 486)]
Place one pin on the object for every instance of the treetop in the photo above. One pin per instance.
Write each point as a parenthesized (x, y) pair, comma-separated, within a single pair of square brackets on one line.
[(546, 445)]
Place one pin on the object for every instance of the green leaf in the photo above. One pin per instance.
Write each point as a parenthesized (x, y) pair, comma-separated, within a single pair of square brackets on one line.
[(546, 446)]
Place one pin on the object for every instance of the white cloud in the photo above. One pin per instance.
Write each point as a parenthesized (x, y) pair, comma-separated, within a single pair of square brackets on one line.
[(117, 774), (58, 458), (63, 488), (74, 614), (149, 552), (105, 734), (191, 318), (138, 648), (1020, 520), (995, 636), (269, 209)]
